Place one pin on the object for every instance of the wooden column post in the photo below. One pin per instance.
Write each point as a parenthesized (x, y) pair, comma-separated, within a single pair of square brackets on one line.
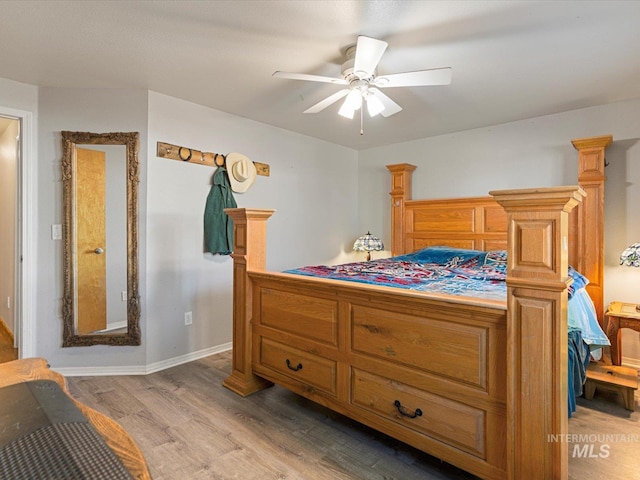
[(588, 257), (537, 330), (400, 193), (249, 254)]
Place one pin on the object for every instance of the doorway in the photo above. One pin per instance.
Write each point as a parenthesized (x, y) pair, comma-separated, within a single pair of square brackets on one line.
[(9, 157), (17, 220)]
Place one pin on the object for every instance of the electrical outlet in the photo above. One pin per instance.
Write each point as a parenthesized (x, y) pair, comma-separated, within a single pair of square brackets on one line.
[(9, 302), (188, 318), (123, 295)]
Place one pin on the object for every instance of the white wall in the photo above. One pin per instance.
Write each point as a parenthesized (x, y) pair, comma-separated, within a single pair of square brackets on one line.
[(18, 95), (312, 187), (8, 197), (86, 110), (529, 153)]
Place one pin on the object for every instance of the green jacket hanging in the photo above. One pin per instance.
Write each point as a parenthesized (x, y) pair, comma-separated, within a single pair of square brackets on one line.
[(218, 227)]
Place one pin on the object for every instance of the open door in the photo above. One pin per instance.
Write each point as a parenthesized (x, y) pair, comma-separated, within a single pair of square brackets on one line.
[(91, 241)]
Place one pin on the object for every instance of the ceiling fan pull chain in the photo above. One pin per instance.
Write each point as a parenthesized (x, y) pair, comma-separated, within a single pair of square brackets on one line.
[(361, 121)]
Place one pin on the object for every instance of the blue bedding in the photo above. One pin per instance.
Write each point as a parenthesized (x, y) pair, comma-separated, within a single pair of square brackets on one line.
[(481, 274)]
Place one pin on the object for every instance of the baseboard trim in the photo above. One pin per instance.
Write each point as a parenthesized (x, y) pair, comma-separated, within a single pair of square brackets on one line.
[(141, 369)]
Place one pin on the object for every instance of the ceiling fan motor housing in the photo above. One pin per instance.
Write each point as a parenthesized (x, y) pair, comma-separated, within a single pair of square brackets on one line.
[(347, 70), (349, 74)]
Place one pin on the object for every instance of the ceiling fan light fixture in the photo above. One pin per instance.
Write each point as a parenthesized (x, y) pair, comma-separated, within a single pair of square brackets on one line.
[(354, 99), (345, 111), (374, 105), (352, 103)]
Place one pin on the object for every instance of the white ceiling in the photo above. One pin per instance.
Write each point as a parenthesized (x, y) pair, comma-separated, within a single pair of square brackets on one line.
[(511, 60)]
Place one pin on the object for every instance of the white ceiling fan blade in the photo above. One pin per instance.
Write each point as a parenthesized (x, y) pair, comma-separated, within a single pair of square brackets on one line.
[(368, 53), (390, 107), (309, 78), (422, 78), (318, 107)]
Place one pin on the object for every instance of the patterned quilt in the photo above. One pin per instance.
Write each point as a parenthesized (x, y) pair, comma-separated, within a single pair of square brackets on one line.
[(435, 269), (446, 270)]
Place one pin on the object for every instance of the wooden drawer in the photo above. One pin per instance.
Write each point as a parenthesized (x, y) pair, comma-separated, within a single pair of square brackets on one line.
[(447, 349), (299, 365), (451, 422), (313, 318)]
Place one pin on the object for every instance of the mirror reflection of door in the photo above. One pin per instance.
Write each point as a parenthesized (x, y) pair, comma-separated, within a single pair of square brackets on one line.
[(91, 241)]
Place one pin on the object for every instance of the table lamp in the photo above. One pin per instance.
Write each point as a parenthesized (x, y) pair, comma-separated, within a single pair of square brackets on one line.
[(631, 258), (368, 243)]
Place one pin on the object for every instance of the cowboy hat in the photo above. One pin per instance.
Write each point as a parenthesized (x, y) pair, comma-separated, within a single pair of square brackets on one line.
[(242, 172)]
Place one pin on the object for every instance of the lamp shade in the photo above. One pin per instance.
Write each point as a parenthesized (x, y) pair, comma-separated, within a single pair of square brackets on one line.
[(352, 103), (374, 105), (368, 243), (631, 256)]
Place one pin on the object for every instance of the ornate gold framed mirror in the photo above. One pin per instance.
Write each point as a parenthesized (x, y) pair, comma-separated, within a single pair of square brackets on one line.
[(100, 176)]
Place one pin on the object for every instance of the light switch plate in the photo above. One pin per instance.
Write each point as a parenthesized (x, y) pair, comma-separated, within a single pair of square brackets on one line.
[(56, 232)]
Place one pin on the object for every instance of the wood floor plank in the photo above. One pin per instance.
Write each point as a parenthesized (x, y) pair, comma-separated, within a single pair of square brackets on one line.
[(7, 352), (189, 427)]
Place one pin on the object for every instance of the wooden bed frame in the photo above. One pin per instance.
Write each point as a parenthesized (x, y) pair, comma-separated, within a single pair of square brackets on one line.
[(114, 435), (480, 384)]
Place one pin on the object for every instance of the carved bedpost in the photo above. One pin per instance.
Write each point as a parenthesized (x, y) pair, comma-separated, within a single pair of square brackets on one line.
[(249, 254), (400, 193), (588, 255), (537, 283)]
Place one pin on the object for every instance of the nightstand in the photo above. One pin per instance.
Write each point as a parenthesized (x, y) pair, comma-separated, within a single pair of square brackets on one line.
[(620, 315)]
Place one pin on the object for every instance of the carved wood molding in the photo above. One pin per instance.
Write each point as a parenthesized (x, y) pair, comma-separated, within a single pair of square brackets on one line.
[(69, 142)]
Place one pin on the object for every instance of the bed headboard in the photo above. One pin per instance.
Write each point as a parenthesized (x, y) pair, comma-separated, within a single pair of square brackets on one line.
[(480, 223), (477, 223)]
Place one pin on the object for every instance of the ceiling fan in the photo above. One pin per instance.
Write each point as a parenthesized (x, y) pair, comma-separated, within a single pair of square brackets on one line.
[(360, 76)]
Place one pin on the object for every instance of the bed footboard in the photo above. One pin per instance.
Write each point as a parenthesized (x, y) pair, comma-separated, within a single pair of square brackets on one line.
[(361, 349)]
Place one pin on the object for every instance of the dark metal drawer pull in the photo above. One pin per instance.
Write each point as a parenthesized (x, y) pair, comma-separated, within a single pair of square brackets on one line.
[(401, 411), (295, 369)]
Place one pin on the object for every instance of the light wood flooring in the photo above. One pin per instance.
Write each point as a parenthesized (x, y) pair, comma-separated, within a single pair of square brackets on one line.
[(190, 427), (7, 352)]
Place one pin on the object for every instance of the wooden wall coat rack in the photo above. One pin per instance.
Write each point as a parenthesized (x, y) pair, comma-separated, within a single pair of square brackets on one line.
[(185, 154)]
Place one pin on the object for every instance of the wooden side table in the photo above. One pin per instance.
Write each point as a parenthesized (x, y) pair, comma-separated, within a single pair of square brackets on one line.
[(620, 315)]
